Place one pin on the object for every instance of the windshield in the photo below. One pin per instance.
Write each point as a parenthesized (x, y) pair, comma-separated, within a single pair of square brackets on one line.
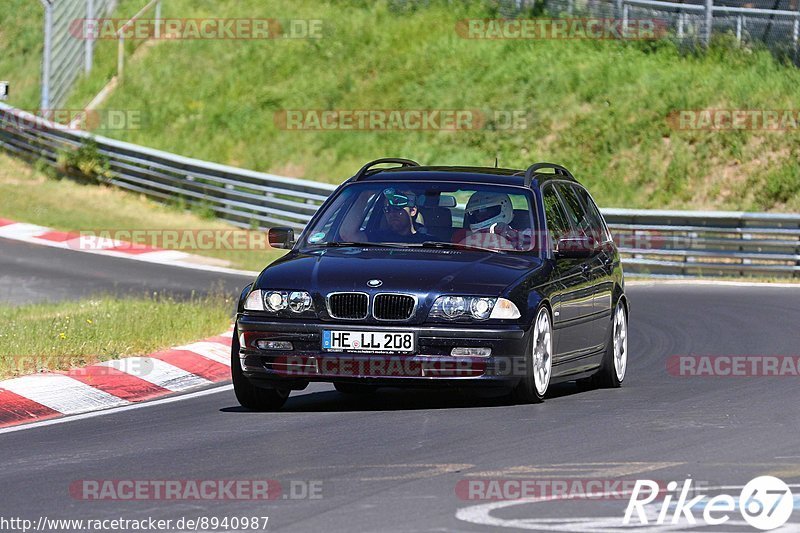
[(491, 217)]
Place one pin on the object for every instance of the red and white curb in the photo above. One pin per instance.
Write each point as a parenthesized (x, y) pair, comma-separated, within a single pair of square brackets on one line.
[(33, 234), (115, 383)]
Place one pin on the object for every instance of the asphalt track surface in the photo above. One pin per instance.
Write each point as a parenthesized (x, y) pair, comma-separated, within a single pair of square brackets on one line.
[(393, 461), (30, 273)]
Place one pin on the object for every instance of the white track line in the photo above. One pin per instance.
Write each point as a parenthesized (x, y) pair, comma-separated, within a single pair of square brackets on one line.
[(62, 393), (157, 372)]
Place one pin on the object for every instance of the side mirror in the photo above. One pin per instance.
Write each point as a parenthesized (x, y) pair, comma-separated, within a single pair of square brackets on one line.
[(281, 237), (575, 247)]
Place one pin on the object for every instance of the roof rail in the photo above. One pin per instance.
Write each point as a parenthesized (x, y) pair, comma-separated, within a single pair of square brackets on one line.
[(559, 170), (366, 168)]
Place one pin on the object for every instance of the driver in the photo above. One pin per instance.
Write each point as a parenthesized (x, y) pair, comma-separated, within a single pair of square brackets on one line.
[(399, 223), (400, 211)]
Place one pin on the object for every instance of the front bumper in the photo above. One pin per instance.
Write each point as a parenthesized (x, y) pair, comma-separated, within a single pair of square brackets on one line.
[(431, 365)]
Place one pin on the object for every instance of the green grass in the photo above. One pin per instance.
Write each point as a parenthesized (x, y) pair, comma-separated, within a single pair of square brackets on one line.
[(28, 195), (601, 108), (59, 336), (21, 51)]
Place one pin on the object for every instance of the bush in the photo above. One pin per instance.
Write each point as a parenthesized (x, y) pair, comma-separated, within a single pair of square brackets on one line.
[(85, 163)]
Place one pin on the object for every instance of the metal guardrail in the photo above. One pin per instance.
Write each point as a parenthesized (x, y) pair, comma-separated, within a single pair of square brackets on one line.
[(243, 197), (687, 243), (682, 243)]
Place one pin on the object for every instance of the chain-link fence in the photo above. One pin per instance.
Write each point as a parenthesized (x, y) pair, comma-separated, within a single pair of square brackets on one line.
[(776, 26), (66, 54), (771, 23)]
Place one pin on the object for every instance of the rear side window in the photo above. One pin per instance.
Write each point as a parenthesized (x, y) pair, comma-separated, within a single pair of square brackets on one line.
[(557, 224), (600, 231), (575, 210)]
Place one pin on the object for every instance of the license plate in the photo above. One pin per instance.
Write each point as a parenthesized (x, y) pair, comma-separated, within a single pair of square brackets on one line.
[(368, 341)]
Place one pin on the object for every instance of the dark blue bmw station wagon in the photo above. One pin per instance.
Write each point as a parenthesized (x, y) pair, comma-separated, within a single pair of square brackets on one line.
[(437, 276)]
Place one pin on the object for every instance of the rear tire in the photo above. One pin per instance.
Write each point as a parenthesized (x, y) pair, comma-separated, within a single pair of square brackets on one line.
[(538, 360), (248, 395), (615, 359), (354, 388)]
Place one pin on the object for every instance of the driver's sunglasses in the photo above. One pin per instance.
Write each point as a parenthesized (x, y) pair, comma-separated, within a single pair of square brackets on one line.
[(393, 209)]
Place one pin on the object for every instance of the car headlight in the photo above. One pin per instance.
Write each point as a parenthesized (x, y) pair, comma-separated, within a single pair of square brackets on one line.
[(452, 306), (475, 307), (276, 301)]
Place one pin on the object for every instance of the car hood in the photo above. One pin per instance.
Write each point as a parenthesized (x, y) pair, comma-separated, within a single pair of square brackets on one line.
[(412, 270)]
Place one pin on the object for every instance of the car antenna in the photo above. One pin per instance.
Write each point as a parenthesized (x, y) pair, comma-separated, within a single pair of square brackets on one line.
[(496, 161)]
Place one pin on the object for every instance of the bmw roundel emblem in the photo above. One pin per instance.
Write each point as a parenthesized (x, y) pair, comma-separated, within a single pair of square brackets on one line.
[(374, 283)]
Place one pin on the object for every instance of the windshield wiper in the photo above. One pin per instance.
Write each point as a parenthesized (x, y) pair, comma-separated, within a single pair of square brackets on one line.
[(344, 244), (458, 246)]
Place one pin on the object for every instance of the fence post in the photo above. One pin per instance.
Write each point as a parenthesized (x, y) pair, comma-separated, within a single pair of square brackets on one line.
[(619, 4), (709, 22), (120, 57), (680, 24), (89, 40), (47, 54), (158, 20)]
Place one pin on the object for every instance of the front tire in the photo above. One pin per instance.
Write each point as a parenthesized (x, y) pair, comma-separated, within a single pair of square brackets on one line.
[(248, 395), (538, 360), (615, 360)]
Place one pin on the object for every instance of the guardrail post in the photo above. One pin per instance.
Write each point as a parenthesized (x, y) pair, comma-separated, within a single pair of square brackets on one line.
[(625, 10), (709, 22), (739, 28), (680, 24), (797, 252)]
